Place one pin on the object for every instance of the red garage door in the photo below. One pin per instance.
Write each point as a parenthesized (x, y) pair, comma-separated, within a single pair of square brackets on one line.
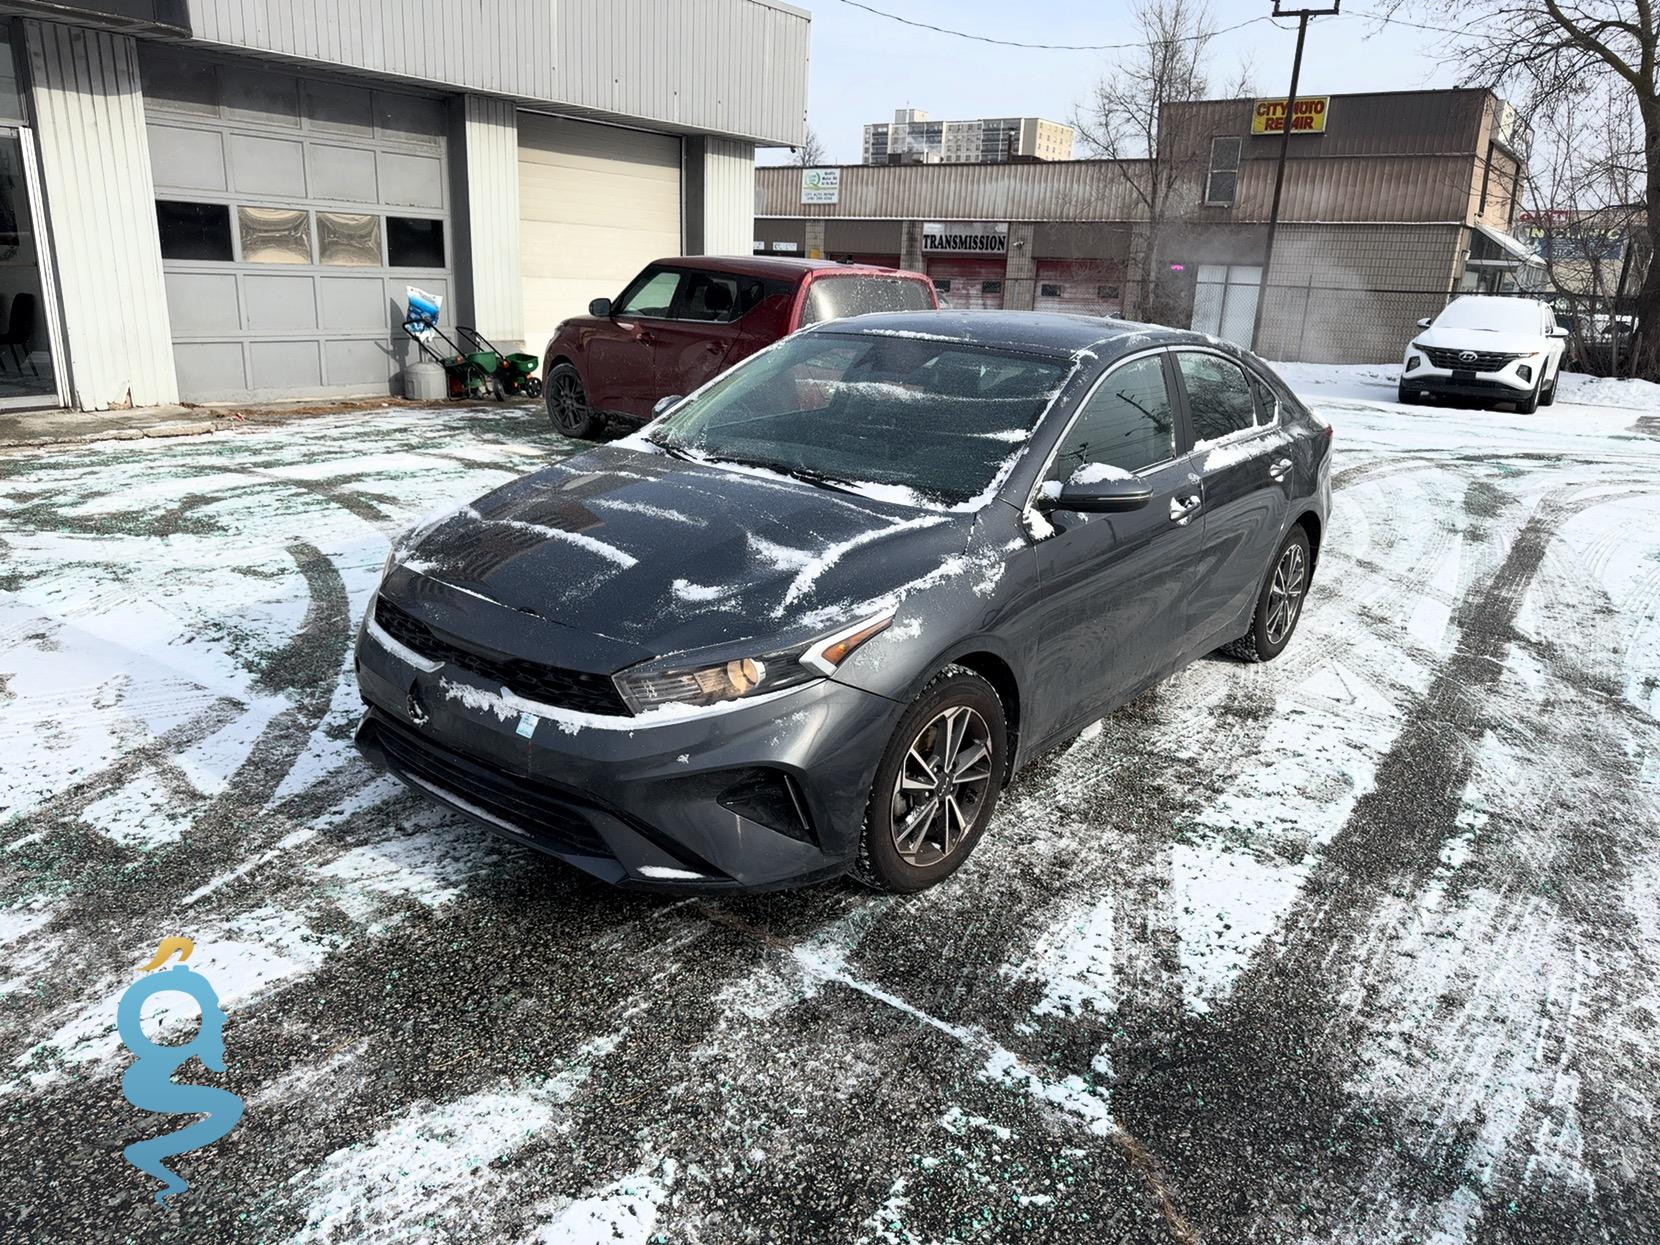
[(969, 284), (1080, 286)]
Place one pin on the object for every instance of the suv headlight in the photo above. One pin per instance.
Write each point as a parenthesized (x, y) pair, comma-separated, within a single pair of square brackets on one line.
[(653, 684)]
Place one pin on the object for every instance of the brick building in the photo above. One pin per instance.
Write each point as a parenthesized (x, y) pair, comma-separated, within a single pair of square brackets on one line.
[(1396, 202)]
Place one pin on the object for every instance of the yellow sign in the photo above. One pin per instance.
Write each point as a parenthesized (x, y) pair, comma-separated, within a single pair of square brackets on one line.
[(1268, 117)]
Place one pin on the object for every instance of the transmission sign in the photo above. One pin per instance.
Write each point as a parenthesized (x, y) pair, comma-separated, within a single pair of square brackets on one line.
[(1268, 117)]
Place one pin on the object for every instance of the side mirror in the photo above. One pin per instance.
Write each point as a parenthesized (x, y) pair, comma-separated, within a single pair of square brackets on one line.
[(663, 404), (1097, 497), (600, 307), (1426, 322), (1560, 333)]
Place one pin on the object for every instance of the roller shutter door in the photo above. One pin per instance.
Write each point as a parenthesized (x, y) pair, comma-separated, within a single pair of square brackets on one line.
[(293, 211), (969, 284), (596, 204), (1079, 287)]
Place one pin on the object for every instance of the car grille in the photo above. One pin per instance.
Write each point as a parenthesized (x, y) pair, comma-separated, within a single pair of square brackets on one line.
[(1483, 360), (554, 818), (551, 685)]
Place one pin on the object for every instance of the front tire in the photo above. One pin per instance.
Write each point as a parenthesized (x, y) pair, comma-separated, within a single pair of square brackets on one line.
[(937, 785), (1530, 403), (1404, 396), (1548, 398), (1279, 605), (568, 407)]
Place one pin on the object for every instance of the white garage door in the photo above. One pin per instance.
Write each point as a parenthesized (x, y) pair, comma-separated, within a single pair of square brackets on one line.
[(596, 204)]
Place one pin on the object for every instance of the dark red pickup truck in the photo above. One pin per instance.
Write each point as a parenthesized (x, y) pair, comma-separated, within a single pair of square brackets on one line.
[(682, 321)]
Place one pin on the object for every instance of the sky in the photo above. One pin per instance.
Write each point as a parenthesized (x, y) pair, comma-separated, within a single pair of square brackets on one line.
[(864, 66)]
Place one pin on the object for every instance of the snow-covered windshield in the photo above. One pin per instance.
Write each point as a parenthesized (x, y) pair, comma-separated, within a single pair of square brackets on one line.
[(939, 418), (1492, 315)]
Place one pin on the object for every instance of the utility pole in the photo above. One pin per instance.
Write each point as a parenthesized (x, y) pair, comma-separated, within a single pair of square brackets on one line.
[(1302, 16)]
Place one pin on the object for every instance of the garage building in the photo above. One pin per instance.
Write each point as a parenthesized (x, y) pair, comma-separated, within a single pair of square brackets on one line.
[(226, 200), (1397, 202)]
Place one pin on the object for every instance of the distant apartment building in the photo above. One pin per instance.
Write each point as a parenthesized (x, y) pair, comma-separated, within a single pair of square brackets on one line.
[(1393, 202), (912, 137)]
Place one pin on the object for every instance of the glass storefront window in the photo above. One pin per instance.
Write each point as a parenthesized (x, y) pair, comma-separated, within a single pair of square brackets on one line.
[(11, 91), (348, 238), (274, 235), (25, 349)]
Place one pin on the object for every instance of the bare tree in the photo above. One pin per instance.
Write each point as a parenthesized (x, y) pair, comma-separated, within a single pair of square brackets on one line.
[(811, 152), (1553, 58), (1124, 118)]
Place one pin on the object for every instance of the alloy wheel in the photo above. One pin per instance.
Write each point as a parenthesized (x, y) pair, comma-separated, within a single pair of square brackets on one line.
[(568, 404), (1285, 594), (943, 782)]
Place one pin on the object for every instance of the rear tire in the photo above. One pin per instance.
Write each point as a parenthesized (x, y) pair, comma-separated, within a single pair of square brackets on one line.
[(937, 784), (568, 407), (1279, 604)]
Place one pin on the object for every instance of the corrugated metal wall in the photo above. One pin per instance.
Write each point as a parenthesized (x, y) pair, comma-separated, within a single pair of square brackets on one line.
[(491, 136), (728, 197), (735, 67), (1057, 190), (95, 166)]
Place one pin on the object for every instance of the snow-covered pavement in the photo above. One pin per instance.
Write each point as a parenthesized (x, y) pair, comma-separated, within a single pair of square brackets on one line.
[(1360, 945)]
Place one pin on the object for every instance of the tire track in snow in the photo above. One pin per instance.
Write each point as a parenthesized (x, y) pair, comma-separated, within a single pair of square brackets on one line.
[(1280, 1040)]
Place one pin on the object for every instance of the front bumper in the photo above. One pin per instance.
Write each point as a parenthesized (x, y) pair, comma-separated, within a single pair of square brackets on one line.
[(1504, 385), (757, 797)]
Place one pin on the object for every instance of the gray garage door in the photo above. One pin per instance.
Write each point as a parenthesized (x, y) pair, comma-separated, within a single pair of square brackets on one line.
[(293, 213)]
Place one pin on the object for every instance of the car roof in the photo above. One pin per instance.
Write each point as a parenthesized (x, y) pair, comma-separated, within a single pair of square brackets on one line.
[(782, 267), (1038, 332)]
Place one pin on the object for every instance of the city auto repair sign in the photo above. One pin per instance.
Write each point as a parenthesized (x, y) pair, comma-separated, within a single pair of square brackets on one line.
[(1268, 117), (965, 238)]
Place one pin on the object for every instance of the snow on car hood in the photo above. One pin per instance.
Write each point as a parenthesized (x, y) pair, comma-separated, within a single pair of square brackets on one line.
[(674, 555), (1481, 339)]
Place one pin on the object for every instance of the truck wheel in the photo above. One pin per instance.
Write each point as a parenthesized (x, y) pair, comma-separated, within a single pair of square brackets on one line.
[(568, 404)]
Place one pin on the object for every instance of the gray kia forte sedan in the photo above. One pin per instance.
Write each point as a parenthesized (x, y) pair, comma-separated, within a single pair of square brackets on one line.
[(814, 617)]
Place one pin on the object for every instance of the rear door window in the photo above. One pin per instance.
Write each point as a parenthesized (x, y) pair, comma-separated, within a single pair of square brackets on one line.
[(1126, 424), (1219, 399), (835, 298), (708, 296)]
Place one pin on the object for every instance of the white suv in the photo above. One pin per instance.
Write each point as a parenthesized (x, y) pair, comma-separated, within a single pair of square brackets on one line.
[(1486, 346)]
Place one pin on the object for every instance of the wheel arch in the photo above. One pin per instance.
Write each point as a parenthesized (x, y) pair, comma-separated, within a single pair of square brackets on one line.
[(995, 669), (1309, 521)]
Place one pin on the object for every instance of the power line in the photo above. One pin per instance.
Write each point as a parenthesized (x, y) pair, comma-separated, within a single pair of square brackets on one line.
[(1123, 47), (1046, 47)]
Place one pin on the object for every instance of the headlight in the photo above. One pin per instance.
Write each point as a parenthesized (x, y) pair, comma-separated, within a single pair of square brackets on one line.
[(655, 684)]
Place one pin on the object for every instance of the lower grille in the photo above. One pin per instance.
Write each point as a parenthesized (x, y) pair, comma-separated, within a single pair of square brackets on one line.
[(552, 817), (551, 685), (1481, 360)]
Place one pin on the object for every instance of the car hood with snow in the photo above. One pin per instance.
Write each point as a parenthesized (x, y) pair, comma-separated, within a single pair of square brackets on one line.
[(1483, 340), (667, 555)]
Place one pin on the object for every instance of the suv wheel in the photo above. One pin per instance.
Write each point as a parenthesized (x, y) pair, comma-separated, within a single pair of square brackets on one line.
[(1280, 604), (937, 784), (568, 403), (1529, 404), (1549, 396)]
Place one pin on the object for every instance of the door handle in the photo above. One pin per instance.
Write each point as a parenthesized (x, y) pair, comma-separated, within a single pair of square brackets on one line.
[(1184, 508), (1279, 469), (647, 337)]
